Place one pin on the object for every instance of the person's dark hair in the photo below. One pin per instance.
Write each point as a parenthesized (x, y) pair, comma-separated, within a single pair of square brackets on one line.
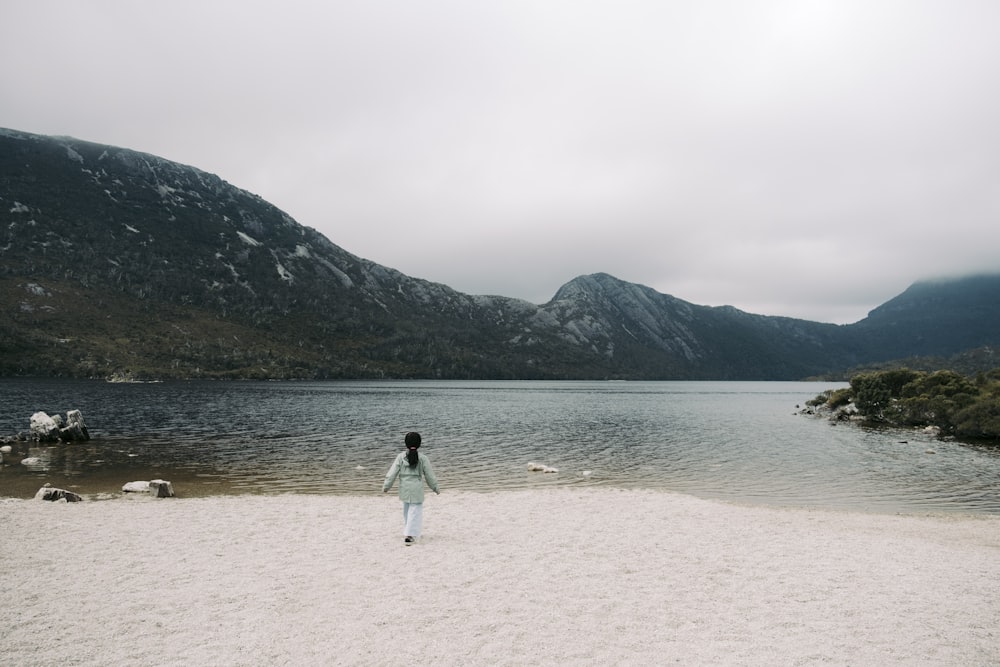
[(412, 441)]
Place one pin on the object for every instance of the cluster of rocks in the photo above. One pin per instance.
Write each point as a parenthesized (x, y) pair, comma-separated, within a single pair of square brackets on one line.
[(848, 412), (57, 429), (43, 429), (54, 429), (157, 488)]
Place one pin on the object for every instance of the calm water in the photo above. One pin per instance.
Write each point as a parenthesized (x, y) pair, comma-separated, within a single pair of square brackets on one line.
[(733, 440)]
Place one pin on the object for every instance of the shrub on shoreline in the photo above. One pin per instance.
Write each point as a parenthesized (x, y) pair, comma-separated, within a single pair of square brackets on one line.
[(956, 404)]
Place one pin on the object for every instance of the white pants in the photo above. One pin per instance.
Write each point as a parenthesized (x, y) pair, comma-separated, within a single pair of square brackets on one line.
[(413, 516)]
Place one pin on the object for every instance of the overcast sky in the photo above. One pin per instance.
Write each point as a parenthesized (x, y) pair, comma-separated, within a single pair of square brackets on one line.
[(801, 158)]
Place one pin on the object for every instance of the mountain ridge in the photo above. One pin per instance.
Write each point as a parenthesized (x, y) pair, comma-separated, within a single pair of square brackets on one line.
[(159, 269)]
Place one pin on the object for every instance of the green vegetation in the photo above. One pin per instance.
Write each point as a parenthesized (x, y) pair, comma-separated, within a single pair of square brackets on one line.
[(832, 399), (959, 405)]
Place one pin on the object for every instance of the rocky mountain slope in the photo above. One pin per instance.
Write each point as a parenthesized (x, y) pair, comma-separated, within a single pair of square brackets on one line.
[(119, 262)]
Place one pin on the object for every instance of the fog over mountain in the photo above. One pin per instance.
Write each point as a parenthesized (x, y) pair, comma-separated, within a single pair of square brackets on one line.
[(805, 159)]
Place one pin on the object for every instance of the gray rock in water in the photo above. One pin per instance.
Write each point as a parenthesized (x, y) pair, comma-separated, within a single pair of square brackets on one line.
[(44, 428), (75, 430), (52, 429)]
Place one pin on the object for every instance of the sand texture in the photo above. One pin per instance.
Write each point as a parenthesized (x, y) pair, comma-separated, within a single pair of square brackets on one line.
[(545, 577)]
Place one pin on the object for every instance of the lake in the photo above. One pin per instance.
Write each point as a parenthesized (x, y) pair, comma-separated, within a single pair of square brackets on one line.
[(737, 441)]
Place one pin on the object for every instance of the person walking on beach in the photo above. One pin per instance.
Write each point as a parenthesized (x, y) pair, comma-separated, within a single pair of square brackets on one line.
[(412, 470)]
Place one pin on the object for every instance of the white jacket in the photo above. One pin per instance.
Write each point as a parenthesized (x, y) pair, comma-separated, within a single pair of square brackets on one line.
[(411, 480)]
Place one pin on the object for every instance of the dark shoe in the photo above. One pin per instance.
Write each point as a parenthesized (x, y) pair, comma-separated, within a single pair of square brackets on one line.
[(408, 539)]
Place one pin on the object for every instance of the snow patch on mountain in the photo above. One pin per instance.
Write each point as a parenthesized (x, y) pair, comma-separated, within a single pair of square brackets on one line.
[(283, 272), (36, 289), (249, 240), (344, 279)]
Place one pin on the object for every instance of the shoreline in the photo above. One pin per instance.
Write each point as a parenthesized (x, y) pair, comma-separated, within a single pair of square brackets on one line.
[(549, 576), (108, 487), (888, 509)]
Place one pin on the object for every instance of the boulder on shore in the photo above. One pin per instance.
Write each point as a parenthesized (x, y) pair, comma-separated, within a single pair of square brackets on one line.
[(158, 488), (52, 493), (135, 487)]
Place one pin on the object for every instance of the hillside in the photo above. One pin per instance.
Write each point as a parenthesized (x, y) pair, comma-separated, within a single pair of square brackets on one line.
[(935, 317), (119, 262)]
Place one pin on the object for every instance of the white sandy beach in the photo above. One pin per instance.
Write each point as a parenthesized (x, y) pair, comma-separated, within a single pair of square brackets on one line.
[(554, 577)]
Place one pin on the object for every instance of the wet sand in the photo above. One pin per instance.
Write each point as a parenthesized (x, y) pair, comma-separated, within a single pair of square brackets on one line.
[(542, 577)]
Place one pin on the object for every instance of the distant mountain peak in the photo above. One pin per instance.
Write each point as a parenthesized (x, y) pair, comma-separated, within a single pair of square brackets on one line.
[(116, 261)]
